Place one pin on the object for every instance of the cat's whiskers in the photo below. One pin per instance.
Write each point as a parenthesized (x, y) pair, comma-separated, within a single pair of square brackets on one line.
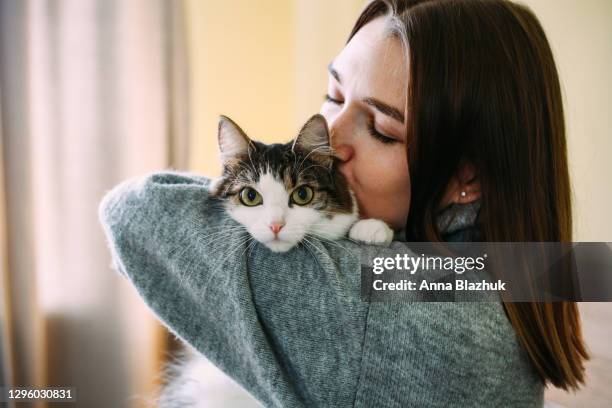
[(251, 243), (312, 166), (194, 241), (311, 152), (182, 245), (232, 251), (195, 260), (307, 245), (333, 213), (333, 242), (325, 254), (344, 237), (294, 167), (211, 237), (251, 160), (244, 166), (201, 239)]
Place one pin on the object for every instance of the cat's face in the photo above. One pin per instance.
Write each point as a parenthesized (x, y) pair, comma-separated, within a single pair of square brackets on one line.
[(284, 193)]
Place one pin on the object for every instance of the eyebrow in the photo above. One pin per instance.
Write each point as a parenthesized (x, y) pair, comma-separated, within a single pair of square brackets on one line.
[(385, 109), (377, 104)]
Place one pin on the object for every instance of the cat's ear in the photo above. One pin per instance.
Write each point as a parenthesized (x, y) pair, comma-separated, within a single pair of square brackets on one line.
[(314, 137), (233, 142)]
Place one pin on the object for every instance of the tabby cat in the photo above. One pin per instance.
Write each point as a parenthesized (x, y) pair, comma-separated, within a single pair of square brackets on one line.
[(283, 193)]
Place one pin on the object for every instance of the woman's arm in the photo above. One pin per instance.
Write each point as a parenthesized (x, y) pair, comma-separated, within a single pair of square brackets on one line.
[(287, 327), (291, 327)]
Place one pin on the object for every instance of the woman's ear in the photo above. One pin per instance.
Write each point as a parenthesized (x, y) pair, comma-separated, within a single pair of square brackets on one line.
[(464, 187)]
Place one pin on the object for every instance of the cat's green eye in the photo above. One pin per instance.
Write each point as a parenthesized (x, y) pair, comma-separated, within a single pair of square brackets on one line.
[(302, 195), (250, 197)]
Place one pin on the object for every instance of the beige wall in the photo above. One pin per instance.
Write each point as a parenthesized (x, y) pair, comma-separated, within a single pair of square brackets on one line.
[(261, 62), (580, 33), (242, 66), (321, 30)]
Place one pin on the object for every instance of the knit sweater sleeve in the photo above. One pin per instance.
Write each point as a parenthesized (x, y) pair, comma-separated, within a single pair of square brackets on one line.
[(288, 327), (291, 327)]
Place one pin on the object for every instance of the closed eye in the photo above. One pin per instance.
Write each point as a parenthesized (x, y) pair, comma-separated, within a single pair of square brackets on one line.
[(333, 100), (379, 136)]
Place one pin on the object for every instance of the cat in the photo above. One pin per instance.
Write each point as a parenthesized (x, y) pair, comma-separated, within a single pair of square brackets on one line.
[(284, 193)]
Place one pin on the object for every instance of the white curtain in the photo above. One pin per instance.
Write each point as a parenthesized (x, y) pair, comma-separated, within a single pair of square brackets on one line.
[(5, 337), (92, 92)]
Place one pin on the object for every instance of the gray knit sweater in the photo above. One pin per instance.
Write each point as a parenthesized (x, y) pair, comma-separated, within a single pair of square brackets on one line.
[(291, 328)]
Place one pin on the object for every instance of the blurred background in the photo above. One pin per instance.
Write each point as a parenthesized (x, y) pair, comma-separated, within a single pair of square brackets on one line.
[(96, 91)]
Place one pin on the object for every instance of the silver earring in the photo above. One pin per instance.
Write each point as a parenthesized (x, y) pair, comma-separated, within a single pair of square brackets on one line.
[(463, 194)]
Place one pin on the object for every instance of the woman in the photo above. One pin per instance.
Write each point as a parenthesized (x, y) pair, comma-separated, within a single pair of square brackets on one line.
[(435, 108)]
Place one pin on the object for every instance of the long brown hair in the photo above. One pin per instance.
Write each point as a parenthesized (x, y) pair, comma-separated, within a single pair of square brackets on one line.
[(484, 88)]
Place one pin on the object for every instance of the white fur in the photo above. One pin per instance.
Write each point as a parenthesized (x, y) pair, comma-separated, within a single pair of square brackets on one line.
[(194, 382), (371, 231), (298, 220)]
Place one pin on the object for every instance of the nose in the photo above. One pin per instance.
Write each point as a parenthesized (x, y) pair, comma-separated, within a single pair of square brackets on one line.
[(276, 227), (340, 131), (344, 152)]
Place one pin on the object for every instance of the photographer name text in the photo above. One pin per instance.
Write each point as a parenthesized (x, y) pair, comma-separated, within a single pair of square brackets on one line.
[(423, 285)]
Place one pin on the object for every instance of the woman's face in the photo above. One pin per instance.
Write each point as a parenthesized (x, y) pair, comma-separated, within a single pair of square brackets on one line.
[(365, 109)]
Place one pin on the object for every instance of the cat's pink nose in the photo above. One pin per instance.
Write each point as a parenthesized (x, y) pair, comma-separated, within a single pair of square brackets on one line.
[(276, 227)]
